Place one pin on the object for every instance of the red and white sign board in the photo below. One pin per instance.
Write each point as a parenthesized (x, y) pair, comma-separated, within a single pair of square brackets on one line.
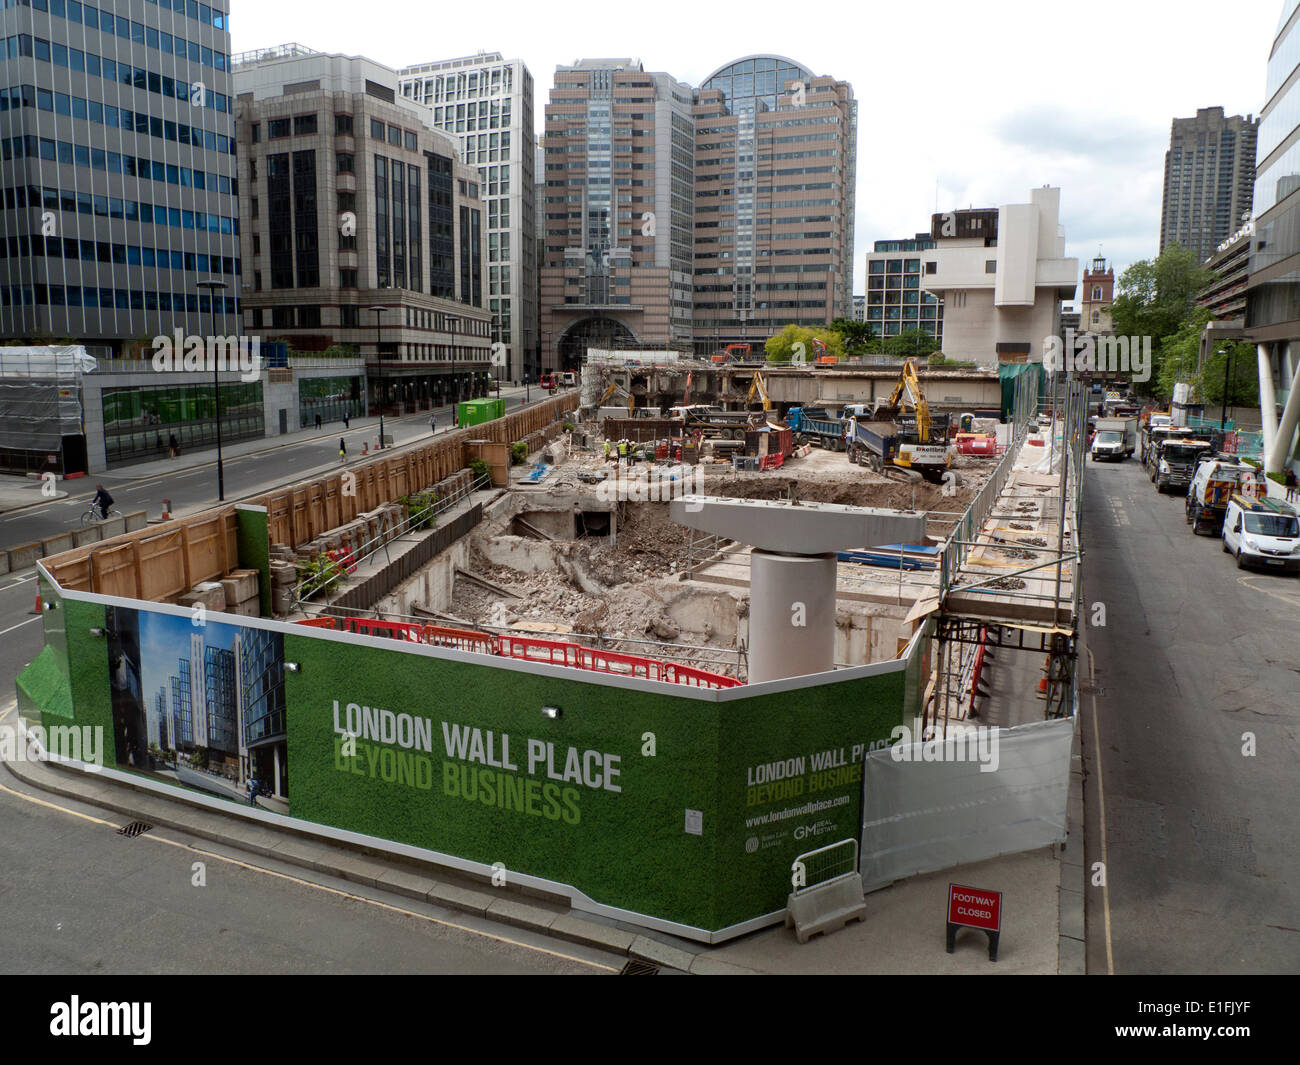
[(975, 908), (970, 907)]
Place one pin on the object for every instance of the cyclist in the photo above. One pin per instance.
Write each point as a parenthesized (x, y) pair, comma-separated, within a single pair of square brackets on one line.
[(102, 501)]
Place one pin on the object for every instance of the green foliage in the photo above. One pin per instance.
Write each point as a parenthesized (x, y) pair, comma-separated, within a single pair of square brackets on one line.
[(857, 336), (518, 453), (479, 468), (317, 574), (567, 427), (199, 758), (938, 362), (910, 342), (781, 348), (1157, 298), (1243, 386), (419, 509)]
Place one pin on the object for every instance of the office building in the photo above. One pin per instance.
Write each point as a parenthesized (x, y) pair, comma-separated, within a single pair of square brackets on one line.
[(1001, 274), (1272, 310), (220, 686), (119, 172), (620, 147), (775, 178), (487, 103), (1209, 179), (859, 308), (353, 200), (896, 301), (259, 659)]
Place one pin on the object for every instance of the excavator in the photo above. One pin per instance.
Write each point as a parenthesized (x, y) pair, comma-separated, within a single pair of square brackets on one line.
[(915, 442), (758, 387), (615, 389)]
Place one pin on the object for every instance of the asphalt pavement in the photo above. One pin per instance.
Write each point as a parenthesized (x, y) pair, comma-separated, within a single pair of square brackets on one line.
[(1191, 731)]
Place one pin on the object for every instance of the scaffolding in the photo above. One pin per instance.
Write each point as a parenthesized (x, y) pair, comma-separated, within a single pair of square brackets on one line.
[(40, 407)]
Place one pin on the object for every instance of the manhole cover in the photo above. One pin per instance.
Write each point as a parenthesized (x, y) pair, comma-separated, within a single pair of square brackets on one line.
[(637, 967), (134, 829)]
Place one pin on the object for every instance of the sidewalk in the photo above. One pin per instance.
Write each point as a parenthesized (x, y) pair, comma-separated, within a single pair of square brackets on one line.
[(19, 492), (902, 934)]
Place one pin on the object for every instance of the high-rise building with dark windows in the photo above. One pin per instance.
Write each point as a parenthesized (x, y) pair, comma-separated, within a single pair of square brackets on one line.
[(352, 200), (118, 171), (1209, 179)]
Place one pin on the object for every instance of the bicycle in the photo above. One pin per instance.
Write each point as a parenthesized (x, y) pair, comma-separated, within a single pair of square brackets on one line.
[(92, 517)]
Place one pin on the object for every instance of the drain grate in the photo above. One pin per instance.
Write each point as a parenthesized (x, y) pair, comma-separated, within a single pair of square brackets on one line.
[(637, 967), (134, 829)]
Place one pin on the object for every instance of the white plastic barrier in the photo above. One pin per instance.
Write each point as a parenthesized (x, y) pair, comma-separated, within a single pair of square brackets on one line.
[(931, 806)]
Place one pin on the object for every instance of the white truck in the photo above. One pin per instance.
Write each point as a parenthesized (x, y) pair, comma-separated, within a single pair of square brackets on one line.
[(1116, 438)]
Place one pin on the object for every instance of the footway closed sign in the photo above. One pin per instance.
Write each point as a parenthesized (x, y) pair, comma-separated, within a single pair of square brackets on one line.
[(975, 908)]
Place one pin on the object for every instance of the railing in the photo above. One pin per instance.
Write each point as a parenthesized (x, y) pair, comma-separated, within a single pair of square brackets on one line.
[(531, 649), (821, 866), (416, 519)]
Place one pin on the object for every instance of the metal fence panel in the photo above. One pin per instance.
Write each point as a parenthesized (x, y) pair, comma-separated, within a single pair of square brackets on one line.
[(921, 816)]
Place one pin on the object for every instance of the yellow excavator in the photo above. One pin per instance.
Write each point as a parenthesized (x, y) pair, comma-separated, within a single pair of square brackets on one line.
[(909, 395), (615, 389), (758, 387)]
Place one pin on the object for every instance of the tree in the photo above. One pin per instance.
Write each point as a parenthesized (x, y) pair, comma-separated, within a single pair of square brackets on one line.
[(1243, 386), (781, 348), (857, 336), (1157, 298), (910, 342)]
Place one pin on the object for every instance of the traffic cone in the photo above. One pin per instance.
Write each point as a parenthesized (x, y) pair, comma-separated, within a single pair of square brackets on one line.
[(167, 510), (38, 604)]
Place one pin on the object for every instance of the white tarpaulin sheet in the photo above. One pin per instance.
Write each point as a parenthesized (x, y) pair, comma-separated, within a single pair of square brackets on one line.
[(40, 396), (921, 816)]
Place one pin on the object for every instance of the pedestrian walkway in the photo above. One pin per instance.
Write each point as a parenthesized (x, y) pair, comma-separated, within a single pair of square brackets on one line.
[(19, 492)]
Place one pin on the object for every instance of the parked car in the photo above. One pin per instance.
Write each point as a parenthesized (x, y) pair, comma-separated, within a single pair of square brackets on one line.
[(1262, 532)]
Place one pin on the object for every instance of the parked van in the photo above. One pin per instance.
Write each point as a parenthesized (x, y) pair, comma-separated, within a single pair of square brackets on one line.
[(1262, 532)]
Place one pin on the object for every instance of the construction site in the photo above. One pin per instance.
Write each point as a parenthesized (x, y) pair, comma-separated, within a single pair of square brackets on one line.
[(691, 572)]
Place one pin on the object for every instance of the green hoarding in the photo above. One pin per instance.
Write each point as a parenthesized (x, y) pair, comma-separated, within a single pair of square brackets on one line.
[(687, 806)]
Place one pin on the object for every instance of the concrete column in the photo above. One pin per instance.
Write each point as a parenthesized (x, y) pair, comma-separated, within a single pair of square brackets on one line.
[(275, 751), (791, 615), (1278, 454), (1267, 397)]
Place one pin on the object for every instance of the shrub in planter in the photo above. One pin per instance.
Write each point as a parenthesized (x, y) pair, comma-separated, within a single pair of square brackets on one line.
[(519, 453)]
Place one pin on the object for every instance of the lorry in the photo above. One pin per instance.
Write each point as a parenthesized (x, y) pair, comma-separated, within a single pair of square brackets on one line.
[(1116, 438), (816, 425), (1263, 532), (1213, 483), (1151, 440), (879, 444), (1178, 458), (716, 422)]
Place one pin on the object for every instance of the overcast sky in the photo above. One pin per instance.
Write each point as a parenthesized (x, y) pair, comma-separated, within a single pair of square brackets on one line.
[(959, 104)]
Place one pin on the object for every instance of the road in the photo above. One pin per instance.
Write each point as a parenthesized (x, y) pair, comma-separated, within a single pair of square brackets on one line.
[(1192, 742), (188, 488)]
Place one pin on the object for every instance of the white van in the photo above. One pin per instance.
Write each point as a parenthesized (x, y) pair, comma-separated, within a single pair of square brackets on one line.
[(1263, 533)]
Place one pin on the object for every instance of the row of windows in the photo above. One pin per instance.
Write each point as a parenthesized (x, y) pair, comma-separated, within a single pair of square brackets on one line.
[(25, 45), (203, 13), (115, 163), (120, 299), (50, 199), (104, 251), (60, 103), (137, 33)]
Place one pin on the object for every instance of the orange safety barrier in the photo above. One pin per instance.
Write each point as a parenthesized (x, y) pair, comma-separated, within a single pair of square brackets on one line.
[(532, 649)]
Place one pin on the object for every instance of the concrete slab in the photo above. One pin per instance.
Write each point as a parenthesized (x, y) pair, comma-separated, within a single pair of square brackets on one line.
[(703, 965), (56, 545), (89, 535), (135, 521), (661, 954), (112, 527), (577, 930), (4, 563), (406, 882), (522, 914), (1073, 959), (459, 898), (797, 529)]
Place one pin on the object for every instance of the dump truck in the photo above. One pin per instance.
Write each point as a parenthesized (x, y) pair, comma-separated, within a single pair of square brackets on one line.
[(815, 425), (716, 422), (1213, 483), (880, 444), (1116, 438)]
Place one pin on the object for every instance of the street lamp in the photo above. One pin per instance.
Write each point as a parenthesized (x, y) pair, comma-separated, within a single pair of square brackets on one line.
[(379, 356), (213, 287), (1227, 374)]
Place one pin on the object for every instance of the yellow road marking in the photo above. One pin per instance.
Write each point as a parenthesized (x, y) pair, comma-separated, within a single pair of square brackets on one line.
[(1290, 600)]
